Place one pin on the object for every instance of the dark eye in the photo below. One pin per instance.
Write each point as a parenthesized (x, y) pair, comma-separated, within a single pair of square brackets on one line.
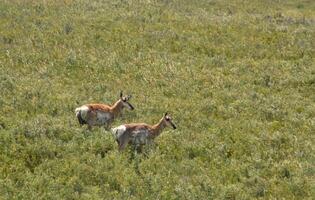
[(167, 119), (124, 99)]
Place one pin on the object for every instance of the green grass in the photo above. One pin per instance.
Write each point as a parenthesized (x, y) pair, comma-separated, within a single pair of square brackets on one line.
[(238, 77)]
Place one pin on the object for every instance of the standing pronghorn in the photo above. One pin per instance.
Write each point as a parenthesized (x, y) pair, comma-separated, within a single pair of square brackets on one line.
[(140, 133), (102, 114)]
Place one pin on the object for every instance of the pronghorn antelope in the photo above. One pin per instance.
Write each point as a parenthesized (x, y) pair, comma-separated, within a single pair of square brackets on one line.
[(102, 114), (139, 134)]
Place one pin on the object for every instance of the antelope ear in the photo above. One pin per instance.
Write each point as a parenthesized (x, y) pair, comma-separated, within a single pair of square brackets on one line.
[(121, 94), (129, 96), (165, 114)]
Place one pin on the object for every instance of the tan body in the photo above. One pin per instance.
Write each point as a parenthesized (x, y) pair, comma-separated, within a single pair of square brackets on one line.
[(101, 114), (139, 134)]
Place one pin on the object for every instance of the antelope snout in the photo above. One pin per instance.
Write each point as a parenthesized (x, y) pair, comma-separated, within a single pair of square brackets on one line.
[(130, 106), (173, 125)]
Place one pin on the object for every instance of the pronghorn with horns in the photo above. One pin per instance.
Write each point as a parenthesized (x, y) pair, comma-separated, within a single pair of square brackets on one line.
[(139, 134), (101, 114)]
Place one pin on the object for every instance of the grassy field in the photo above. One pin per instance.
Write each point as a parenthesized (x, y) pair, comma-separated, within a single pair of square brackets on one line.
[(238, 78)]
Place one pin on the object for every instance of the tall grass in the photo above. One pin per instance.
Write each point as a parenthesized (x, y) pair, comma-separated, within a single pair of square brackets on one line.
[(237, 77)]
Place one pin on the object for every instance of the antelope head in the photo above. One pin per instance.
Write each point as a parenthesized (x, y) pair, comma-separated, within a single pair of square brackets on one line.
[(125, 101), (168, 121)]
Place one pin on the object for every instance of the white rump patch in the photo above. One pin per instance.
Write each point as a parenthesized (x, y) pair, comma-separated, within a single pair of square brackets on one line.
[(84, 110), (118, 131)]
